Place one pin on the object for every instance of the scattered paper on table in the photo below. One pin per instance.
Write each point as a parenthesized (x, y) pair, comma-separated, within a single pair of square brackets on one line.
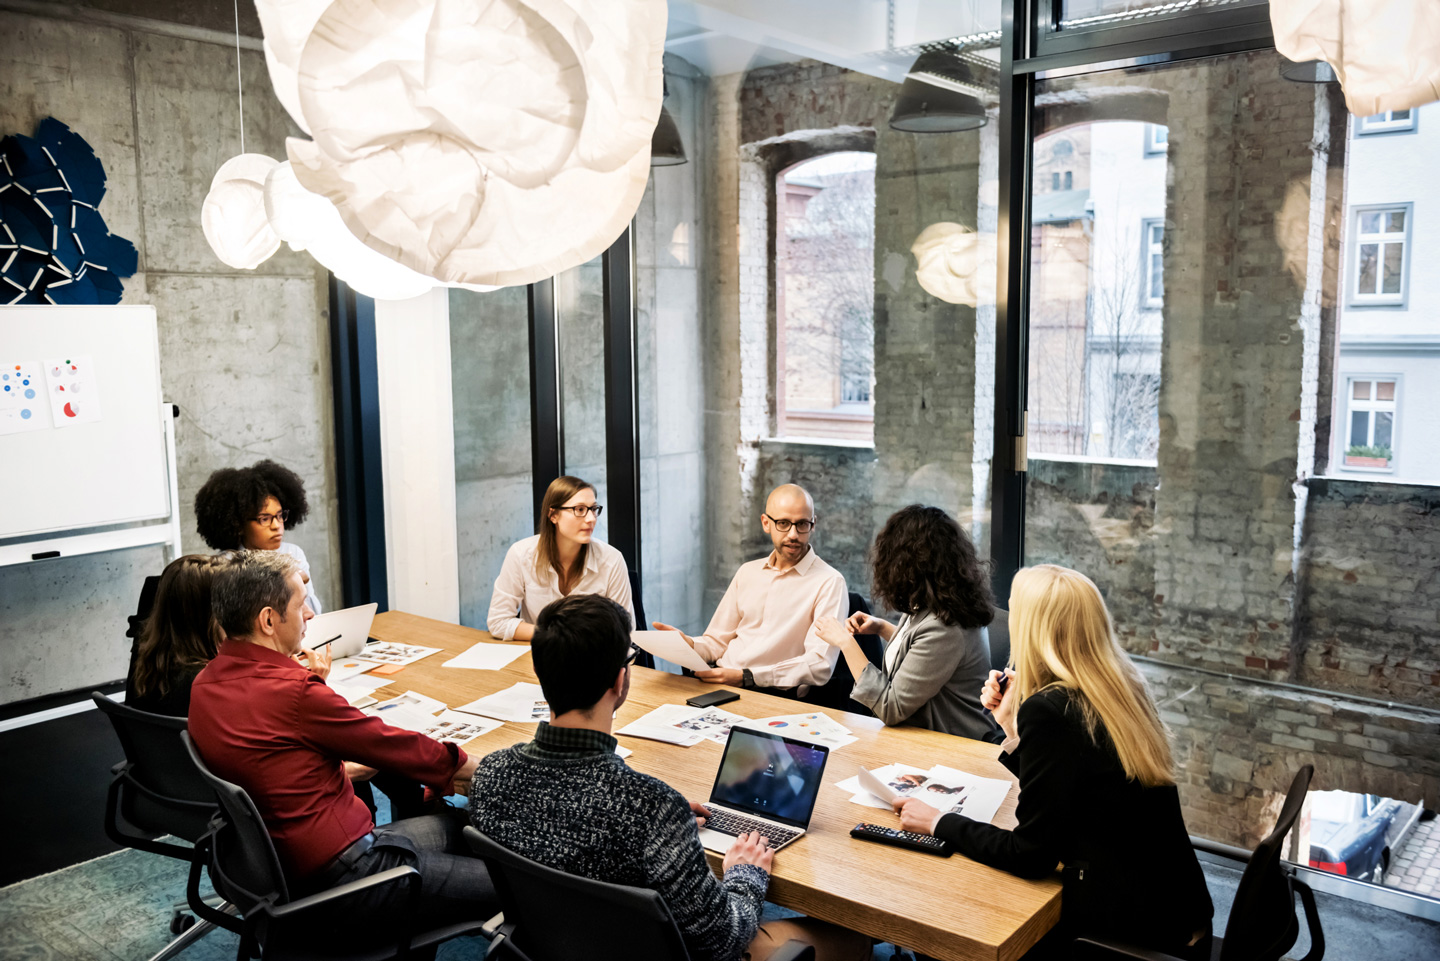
[(346, 668), (670, 646), (522, 702), (399, 654), (816, 728), (943, 788), (488, 657), (665, 724), (359, 688), (455, 728), (623, 751), (412, 711)]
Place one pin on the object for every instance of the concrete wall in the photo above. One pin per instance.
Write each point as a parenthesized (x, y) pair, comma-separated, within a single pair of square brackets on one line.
[(245, 354)]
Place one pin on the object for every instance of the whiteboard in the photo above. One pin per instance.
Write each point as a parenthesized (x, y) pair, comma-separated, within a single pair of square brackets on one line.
[(102, 459)]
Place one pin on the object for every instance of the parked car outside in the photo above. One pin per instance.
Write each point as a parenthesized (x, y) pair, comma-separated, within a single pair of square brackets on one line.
[(1349, 833)]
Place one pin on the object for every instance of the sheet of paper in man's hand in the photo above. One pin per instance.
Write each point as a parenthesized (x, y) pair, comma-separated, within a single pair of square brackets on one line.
[(670, 646)]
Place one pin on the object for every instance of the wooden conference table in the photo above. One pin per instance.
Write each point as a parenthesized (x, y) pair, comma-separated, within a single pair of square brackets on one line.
[(950, 908)]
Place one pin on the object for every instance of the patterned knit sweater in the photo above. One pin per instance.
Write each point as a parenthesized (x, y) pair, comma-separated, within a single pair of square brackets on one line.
[(567, 801)]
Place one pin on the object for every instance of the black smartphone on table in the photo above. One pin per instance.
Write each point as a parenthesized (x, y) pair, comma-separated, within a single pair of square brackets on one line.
[(712, 698)]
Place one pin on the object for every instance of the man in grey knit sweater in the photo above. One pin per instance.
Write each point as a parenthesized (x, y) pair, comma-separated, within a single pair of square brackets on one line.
[(568, 801)]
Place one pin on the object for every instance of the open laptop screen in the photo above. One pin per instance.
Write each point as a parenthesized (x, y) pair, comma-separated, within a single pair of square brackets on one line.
[(770, 776)]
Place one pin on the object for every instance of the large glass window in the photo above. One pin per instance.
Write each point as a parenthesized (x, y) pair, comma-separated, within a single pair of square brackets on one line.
[(1380, 254), (1371, 439), (825, 297)]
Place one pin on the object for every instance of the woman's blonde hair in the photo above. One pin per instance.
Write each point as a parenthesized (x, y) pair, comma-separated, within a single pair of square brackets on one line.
[(1061, 635), (561, 489)]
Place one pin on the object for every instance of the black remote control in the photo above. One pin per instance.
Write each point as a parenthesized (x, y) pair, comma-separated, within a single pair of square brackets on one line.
[(901, 839)]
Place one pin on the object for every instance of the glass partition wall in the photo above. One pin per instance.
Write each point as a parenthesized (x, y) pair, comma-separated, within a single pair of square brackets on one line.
[(1148, 311)]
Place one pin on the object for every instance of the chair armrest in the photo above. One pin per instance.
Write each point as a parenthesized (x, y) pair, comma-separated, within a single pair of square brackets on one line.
[(794, 950), (280, 911), (120, 768), (1101, 947), (1220, 850), (1312, 920)]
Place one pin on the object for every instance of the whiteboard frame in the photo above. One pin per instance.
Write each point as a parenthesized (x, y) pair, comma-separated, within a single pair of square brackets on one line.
[(166, 533)]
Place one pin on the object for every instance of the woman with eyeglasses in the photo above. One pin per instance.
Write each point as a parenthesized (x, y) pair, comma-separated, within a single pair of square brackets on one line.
[(564, 558), (252, 507)]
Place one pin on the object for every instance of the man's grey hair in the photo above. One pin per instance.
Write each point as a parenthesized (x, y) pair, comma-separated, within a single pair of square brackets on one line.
[(254, 581)]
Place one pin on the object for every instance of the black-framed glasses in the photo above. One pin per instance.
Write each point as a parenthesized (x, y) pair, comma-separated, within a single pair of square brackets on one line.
[(783, 526), (634, 653), (266, 520), (580, 510)]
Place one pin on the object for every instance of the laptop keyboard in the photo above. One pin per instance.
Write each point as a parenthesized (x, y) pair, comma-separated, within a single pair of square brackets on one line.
[(737, 824)]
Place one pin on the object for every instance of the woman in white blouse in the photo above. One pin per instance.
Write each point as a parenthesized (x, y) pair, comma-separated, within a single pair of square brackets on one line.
[(563, 559)]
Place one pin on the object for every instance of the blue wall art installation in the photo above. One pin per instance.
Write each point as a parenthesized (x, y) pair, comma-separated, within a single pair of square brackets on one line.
[(54, 245)]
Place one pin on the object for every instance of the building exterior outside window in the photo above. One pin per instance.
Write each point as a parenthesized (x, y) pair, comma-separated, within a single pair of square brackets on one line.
[(1381, 255), (1154, 233), (1390, 314), (825, 300), (1371, 441), (1391, 121)]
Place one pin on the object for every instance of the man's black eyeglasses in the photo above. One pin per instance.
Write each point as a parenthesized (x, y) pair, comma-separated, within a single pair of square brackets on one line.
[(783, 526), (634, 653)]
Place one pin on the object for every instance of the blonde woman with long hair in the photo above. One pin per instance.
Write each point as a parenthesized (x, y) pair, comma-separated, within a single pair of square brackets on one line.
[(1097, 783), (563, 558)]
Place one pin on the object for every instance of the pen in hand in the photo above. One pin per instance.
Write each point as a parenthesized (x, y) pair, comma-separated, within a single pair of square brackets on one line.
[(323, 643)]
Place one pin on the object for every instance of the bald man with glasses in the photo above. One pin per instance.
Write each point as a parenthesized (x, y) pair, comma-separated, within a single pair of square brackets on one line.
[(763, 633)]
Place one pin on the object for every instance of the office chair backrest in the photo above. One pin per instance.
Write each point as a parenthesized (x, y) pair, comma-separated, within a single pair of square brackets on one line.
[(162, 792), (243, 865), (644, 658), (1262, 924), (998, 633), (598, 921)]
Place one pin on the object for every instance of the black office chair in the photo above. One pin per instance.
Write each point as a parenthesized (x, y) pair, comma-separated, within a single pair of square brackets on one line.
[(244, 868), (602, 921), (1263, 924), (645, 658), (835, 693), (999, 634), (157, 791)]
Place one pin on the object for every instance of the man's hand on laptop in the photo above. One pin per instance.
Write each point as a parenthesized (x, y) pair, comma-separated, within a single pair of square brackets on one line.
[(702, 813), (750, 849)]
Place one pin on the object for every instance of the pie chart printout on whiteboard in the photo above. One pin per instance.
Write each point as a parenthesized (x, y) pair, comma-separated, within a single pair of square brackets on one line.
[(22, 406), (71, 385)]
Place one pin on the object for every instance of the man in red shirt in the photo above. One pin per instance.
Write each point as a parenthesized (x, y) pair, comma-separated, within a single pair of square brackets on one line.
[(263, 721)]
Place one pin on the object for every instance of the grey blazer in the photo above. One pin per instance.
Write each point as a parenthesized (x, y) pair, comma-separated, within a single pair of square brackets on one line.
[(936, 680)]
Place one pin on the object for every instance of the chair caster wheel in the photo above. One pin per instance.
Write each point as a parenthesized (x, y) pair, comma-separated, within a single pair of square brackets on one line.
[(181, 923)]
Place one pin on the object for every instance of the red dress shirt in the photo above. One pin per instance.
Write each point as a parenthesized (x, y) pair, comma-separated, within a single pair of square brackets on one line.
[(264, 722)]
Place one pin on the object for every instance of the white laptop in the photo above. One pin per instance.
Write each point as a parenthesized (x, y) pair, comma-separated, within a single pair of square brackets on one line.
[(351, 627), (766, 783)]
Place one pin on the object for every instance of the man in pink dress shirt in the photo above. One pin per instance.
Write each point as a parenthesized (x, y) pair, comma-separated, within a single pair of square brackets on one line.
[(763, 632)]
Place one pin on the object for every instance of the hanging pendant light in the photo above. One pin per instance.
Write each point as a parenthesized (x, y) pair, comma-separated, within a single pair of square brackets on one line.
[(666, 147), (941, 93)]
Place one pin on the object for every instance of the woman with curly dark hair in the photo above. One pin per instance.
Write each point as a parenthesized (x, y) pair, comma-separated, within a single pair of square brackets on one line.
[(937, 656), (252, 508)]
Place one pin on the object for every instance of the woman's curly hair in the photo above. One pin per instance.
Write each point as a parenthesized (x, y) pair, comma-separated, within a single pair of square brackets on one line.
[(923, 561), (234, 495)]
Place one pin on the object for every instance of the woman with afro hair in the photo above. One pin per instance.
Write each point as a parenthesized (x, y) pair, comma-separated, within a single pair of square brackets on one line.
[(252, 508)]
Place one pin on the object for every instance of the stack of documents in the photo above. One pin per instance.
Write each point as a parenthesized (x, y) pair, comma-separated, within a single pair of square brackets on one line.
[(816, 728), (359, 688), (683, 725), (522, 702), (425, 715), (943, 788), (488, 657)]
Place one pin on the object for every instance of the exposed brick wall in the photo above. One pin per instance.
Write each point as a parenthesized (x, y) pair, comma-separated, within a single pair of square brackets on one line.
[(1371, 610)]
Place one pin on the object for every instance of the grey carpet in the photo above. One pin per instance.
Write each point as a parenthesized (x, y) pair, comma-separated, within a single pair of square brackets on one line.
[(117, 908)]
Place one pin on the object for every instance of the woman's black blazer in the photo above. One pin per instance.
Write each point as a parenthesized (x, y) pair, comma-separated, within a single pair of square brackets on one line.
[(1130, 872)]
